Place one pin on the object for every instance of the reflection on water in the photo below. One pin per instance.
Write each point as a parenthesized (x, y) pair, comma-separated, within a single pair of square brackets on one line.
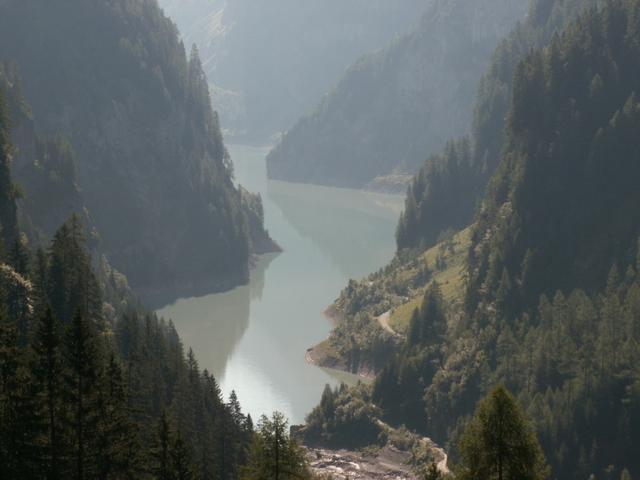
[(254, 337), (329, 217), (223, 318)]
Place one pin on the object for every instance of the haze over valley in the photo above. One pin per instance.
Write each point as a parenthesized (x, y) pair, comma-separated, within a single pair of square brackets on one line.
[(320, 239)]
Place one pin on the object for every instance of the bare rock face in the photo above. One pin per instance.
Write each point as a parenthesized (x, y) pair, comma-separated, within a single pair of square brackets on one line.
[(392, 109)]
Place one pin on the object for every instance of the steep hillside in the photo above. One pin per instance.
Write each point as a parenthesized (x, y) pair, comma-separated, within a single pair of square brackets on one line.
[(272, 61), (550, 303), (392, 109), (560, 210), (113, 79), (44, 169), (449, 186), (8, 193)]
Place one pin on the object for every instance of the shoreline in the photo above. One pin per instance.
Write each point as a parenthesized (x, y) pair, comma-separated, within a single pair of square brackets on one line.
[(331, 313), (365, 375), (320, 355), (158, 297)]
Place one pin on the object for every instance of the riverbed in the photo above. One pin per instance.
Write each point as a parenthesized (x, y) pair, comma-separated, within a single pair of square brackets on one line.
[(254, 337)]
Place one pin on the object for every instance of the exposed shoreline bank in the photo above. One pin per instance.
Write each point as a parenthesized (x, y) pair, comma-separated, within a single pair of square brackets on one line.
[(321, 355)]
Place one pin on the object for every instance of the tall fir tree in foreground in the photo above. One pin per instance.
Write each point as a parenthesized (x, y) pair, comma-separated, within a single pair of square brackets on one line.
[(274, 455), (499, 443)]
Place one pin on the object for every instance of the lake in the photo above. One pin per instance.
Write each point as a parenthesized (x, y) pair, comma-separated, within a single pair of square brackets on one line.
[(254, 338)]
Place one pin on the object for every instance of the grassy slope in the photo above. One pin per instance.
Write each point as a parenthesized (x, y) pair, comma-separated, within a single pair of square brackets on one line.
[(450, 278), (398, 288)]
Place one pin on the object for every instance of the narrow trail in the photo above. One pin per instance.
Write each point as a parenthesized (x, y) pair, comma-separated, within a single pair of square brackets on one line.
[(383, 320), (442, 464)]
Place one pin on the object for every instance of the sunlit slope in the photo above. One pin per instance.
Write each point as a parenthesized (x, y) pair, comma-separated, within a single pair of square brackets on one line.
[(450, 255)]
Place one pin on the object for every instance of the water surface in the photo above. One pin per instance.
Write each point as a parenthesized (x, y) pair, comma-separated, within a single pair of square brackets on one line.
[(254, 338)]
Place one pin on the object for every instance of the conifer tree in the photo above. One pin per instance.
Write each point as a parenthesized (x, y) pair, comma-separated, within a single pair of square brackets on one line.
[(117, 435), (499, 444), (181, 466), (47, 369), (162, 454), (18, 426), (82, 377), (274, 454)]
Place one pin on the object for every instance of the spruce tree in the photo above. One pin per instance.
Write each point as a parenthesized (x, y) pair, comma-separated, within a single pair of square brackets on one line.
[(18, 426), (47, 368), (181, 463), (82, 377), (162, 455), (117, 436), (499, 443), (274, 455)]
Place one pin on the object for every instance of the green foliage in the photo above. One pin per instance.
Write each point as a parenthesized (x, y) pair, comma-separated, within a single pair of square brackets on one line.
[(571, 132), (446, 191), (499, 443), (433, 202), (274, 454), (399, 387), (81, 398), (345, 417), (552, 276)]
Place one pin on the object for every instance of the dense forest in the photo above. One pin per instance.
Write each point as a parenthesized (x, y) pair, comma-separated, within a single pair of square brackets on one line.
[(540, 292), (269, 63), (92, 385), (448, 188), (112, 82), (395, 107), (506, 328)]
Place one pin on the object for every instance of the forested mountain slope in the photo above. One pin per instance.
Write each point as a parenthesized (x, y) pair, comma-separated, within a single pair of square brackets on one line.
[(449, 186), (550, 306), (113, 79), (272, 61), (561, 208), (91, 385), (44, 169), (394, 108)]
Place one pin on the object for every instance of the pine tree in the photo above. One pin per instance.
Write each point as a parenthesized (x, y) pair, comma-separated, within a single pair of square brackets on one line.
[(274, 454), (73, 285), (18, 426), (82, 377), (117, 435), (499, 444), (181, 463), (48, 371), (162, 454)]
